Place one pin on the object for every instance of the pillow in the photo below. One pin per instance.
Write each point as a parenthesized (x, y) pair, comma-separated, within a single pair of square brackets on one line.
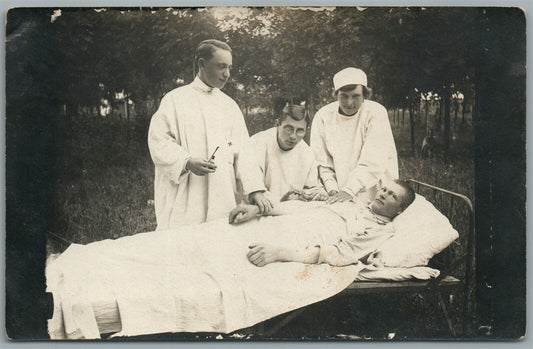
[(421, 232)]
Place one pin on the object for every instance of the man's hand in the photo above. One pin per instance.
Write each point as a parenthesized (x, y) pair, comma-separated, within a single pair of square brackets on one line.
[(292, 195), (261, 254), (200, 167), (264, 204), (339, 197), (243, 213), (321, 197), (314, 194)]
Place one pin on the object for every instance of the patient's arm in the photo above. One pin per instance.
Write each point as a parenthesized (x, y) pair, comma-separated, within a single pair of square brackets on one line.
[(307, 194), (262, 254), (243, 213), (293, 206)]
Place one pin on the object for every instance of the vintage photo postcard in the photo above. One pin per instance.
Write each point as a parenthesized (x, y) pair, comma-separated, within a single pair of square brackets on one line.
[(265, 173)]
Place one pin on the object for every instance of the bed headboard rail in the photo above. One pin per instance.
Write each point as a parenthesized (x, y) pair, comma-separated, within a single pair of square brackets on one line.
[(458, 258)]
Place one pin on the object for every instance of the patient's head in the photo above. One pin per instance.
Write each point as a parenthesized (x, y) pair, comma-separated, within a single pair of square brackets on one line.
[(392, 198)]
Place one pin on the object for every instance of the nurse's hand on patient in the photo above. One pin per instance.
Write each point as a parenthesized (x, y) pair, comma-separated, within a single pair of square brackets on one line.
[(321, 197), (331, 194), (292, 195), (243, 213), (200, 167), (315, 194), (262, 202), (339, 197), (261, 254)]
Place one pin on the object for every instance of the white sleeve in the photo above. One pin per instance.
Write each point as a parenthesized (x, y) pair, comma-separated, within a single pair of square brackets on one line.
[(239, 132), (311, 180), (250, 168), (341, 253), (165, 147), (324, 159)]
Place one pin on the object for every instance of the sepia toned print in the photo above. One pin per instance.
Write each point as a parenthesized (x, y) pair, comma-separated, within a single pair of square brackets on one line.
[(242, 173)]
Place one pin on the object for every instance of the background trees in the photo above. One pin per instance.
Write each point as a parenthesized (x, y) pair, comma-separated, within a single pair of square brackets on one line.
[(279, 54), (63, 65), (87, 177)]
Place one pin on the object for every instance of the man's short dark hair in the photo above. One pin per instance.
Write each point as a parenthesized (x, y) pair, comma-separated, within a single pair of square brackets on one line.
[(296, 112), (409, 196), (206, 49), (367, 91)]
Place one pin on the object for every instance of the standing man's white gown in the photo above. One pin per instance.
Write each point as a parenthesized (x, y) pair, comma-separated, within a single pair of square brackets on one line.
[(192, 121)]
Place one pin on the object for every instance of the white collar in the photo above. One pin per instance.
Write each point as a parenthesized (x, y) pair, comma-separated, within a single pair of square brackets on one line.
[(354, 116), (379, 218), (202, 86)]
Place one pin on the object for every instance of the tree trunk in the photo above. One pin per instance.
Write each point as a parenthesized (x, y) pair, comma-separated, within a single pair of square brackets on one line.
[(419, 110), (403, 116), (463, 119), (440, 113), (412, 123), (447, 118), (396, 115), (426, 107), (456, 112), (311, 111), (437, 113), (245, 110), (311, 108), (126, 113)]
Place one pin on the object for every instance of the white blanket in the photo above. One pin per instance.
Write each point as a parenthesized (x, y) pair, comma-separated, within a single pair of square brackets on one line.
[(193, 279)]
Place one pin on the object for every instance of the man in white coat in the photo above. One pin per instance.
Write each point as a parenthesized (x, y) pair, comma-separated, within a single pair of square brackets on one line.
[(352, 140), (276, 162), (193, 122)]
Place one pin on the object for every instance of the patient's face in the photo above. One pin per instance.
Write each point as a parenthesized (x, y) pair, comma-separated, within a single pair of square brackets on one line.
[(388, 200)]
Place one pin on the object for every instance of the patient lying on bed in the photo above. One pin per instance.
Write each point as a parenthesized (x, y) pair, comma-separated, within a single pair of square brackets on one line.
[(200, 279), (366, 227)]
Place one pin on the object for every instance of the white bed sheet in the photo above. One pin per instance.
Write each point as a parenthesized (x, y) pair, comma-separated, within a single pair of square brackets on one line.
[(194, 279), (197, 278)]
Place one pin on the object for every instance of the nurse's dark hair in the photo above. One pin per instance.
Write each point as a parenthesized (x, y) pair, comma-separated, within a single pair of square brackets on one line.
[(296, 112), (206, 49), (367, 91), (409, 196)]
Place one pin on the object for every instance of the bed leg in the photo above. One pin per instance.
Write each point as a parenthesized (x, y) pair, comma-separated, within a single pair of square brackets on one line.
[(49, 305), (446, 314), (291, 316), (261, 329)]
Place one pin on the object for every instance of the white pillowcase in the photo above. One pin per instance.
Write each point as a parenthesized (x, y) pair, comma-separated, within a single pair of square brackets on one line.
[(421, 232)]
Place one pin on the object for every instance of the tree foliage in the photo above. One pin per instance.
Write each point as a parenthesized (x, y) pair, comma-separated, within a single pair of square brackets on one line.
[(279, 53), (141, 52)]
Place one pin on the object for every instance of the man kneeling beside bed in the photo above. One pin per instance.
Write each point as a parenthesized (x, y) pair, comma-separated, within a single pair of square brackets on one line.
[(367, 226)]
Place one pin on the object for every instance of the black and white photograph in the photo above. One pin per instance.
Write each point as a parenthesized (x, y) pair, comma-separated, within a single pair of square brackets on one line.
[(239, 173)]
